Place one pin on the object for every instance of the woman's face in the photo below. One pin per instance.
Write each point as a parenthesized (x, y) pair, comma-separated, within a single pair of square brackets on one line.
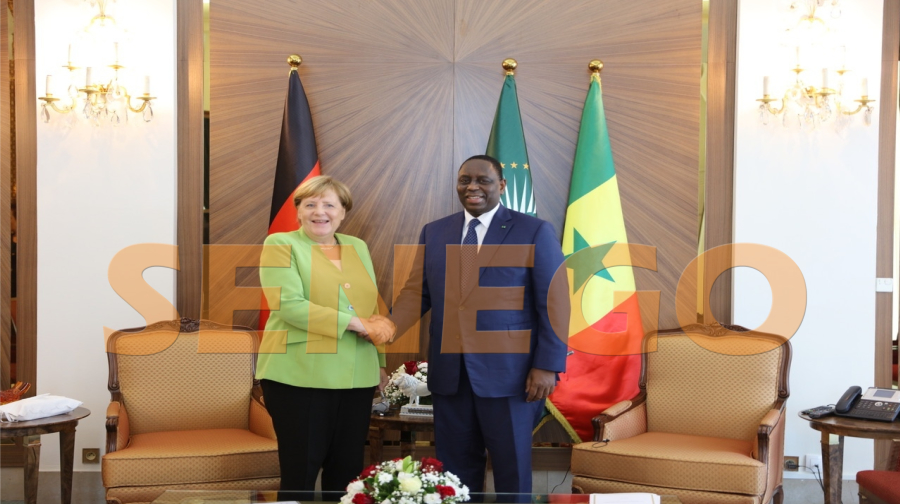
[(321, 216)]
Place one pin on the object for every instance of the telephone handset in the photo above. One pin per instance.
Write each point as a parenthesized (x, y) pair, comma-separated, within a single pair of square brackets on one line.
[(874, 404)]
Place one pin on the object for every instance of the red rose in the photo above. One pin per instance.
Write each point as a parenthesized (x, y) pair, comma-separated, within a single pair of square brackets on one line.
[(368, 471), (362, 498), (431, 465), (411, 367), (445, 491)]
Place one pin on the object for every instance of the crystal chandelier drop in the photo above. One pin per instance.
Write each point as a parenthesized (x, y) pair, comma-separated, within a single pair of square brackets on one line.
[(99, 96), (814, 98)]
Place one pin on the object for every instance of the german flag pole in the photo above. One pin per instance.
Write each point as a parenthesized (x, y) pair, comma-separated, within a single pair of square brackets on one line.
[(298, 160)]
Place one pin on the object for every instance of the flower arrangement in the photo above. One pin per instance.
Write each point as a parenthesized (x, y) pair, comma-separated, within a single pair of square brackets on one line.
[(403, 481), (416, 369)]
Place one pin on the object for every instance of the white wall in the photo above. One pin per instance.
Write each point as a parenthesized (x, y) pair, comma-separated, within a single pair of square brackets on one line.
[(99, 190), (813, 196)]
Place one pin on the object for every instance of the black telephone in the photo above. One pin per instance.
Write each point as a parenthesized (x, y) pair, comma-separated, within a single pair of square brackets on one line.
[(874, 404)]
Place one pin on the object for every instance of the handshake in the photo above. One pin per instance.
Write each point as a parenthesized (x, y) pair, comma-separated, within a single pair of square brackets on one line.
[(378, 329)]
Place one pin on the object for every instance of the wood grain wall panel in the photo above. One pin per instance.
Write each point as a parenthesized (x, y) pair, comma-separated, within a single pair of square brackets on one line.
[(402, 91), (720, 89), (379, 81), (887, 148), (26, 203), (5, 200), (650, 87), (190, 157)]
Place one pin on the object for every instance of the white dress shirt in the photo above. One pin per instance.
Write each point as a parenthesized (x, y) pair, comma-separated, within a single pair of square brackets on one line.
[(481, 229)]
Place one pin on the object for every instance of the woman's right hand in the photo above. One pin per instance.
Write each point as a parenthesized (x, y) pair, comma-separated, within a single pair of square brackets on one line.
[(378, 329), (357, 326)]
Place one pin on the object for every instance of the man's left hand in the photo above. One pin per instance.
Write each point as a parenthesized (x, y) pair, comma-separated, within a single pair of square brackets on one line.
[(540, 384)]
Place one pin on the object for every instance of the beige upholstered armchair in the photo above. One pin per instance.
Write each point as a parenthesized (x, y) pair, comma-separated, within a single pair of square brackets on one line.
[(707, 425), (184, 417)]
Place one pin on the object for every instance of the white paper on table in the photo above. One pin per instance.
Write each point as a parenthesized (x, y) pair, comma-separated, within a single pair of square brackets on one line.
[(625, 498)]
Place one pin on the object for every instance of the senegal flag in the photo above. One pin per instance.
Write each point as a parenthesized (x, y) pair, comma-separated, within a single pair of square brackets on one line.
[(605, 330), (507, 145)]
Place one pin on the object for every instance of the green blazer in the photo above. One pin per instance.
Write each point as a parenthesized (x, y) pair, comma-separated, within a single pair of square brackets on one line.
[(307, 343)]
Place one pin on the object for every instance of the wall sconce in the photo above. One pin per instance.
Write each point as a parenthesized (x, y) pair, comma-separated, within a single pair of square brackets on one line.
[(103, 97), (814, 104)]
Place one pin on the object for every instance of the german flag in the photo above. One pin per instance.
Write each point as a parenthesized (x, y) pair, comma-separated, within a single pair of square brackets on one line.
[(298, 160)]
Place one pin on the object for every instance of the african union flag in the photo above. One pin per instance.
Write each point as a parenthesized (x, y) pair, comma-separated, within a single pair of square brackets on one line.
[(507, 144), (599, 370)]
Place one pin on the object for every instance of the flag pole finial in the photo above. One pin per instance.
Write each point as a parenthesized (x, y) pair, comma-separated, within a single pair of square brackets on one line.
[(510, 65), (294, 60), (595, 66)]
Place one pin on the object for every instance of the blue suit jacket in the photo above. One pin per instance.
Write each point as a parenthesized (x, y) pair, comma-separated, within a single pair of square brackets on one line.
[(495, 374)]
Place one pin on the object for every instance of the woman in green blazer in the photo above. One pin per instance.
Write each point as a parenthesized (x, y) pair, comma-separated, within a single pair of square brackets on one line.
[(318, 361)]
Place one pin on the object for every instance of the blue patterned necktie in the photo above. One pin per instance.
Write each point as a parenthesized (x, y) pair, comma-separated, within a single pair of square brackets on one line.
[(468, 256)]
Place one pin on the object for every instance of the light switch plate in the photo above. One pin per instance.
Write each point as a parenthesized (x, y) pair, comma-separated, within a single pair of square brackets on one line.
[(884, 285)]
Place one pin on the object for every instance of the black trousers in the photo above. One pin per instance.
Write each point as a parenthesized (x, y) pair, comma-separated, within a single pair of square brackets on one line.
[(319, 429)]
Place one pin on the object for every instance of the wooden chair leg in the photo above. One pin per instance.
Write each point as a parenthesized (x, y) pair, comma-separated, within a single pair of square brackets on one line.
[(778, 495)]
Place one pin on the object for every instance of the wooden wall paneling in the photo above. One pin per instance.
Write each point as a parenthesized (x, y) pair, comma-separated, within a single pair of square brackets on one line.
[(651, 53), (5, 195), (719, 206), (190, 157), (26, 203), (887, 148), (378, 76)]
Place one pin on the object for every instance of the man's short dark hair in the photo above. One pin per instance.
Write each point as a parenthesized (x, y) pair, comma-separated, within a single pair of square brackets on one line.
[(489, 159)]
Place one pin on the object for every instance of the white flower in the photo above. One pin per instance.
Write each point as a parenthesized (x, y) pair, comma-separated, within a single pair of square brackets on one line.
[(384, 477), (418, 374), (347, 499), (432, 498), (411, 484), (387, 501), (355, 487), (406, 500), (398, 466)]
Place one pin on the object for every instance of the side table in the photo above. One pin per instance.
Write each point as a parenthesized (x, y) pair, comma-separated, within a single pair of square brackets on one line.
[(393, 421), (28, 435), (833, 429)]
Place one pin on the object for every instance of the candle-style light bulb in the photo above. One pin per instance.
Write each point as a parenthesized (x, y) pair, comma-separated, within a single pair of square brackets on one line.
[(87, 77), (864, 86), (146, 84), (47, 88), (766, 85)]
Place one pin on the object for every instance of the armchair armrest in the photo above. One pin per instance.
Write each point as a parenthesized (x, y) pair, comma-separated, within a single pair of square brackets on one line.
[(622, 420), (260, 421), (765, 431), (769, 447), (117, 430)]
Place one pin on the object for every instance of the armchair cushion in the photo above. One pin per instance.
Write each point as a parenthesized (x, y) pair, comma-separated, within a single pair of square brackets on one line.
[(590, 485), (679, 461), (883, 484), (185, 457)]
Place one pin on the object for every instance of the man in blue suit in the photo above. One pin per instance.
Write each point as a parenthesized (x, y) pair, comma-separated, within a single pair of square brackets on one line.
[(493, 354)]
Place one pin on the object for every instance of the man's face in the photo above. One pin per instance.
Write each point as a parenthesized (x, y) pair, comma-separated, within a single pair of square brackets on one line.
[(479, 187)]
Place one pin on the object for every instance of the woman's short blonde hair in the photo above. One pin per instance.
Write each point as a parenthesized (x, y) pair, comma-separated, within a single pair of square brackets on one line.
[(318, 186)]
